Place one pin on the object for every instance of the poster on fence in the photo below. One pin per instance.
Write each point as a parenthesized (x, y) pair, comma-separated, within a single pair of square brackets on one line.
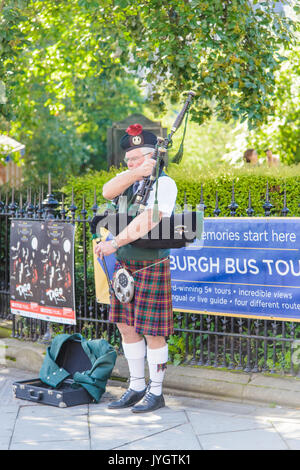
[(42, 270), (244, 267)]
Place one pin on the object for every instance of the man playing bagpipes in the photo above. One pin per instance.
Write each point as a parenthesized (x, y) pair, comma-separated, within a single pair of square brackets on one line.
[(149, 314), (141, 299)]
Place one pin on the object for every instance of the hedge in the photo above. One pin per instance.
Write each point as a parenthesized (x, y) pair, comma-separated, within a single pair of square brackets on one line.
[(191, 181)]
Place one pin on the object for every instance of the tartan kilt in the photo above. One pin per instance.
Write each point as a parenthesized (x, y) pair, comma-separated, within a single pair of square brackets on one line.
[(150, 311)]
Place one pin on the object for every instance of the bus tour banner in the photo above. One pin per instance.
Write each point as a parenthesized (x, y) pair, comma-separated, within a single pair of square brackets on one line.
[(42, 270), (244, 267)]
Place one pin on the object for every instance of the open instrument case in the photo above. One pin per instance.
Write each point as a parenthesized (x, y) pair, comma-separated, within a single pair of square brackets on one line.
[(73, 359)]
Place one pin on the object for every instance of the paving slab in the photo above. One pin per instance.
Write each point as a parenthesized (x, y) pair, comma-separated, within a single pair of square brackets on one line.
[(52, 445), (210, 422), (288, 414), (8, 420), (289, 431), (176, 438), (32, 428), (131, 427), (7, 377), (184, 424), (46, 411), (186, 403), (110, 438), (103, 416), (293, 444), (256, 439)]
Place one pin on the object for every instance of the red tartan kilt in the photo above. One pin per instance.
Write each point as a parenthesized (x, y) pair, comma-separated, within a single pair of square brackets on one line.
[(150, 311)]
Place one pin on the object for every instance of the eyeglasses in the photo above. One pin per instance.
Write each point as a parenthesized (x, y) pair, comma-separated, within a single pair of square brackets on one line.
[(135, 159)]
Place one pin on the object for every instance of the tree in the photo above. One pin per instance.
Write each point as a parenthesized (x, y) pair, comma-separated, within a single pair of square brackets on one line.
[(227, 51), (12, 42), (67, 90), (71, 67), (281, 133)]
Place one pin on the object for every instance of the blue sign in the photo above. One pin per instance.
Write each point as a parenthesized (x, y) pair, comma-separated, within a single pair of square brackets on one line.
[(245, 267)]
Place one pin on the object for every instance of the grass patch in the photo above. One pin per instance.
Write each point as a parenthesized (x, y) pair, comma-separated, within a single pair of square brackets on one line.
[(10, 358), (5, 332)]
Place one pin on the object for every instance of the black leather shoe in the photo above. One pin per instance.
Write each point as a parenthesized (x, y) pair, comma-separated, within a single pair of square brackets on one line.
[(129, 398), (150, 402)]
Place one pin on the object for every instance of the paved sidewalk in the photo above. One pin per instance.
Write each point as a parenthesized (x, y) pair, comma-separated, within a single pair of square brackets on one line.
[(184, 424)]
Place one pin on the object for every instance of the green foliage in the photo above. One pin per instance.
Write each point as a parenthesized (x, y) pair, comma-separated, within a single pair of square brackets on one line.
[(87, 187), (214, 179), (12, 42), (227, 51), (221, 179), (188, 348), (67, 90), (281, 133), (177, 351), (69, 69), (204, 145)]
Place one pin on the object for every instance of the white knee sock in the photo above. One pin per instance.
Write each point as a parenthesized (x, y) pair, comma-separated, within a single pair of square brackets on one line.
[(135, 355), (157, 361)]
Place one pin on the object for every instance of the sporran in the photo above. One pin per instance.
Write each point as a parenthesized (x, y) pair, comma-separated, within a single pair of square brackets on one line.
[(123, 285), (123, 282)]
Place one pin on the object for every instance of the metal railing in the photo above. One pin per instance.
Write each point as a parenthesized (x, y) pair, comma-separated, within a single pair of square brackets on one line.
[(251, 345)]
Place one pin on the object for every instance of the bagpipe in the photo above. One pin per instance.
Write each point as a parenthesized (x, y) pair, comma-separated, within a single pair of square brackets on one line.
[(175, 231)]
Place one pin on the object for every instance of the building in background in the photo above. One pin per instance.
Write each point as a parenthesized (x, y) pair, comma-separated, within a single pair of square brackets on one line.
[(11, 153)]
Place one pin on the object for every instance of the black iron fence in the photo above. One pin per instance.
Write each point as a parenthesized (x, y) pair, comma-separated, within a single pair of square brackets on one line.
[(251, 345)]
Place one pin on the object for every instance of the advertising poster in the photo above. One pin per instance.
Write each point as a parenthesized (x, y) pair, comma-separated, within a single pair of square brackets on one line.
[(42, 270), (244, 267)]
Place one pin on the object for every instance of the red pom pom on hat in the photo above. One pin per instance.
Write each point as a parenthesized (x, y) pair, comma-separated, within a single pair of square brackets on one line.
[(134, 129)]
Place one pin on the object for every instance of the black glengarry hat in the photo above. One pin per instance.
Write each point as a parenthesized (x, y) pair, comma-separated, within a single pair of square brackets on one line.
[(136, 137)]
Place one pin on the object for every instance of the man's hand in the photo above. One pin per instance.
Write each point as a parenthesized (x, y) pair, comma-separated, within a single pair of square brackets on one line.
[(137, 228), (104, 249), (145, 169), (136, 171)]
